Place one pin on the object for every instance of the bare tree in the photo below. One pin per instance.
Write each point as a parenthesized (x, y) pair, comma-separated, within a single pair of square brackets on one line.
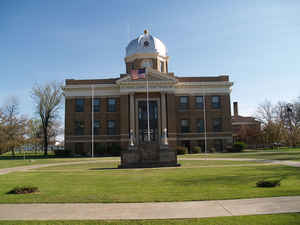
[(288, 115), (13, 126), (281, 122), (265, 112), (47, 100), (34, 133), (272, 128), (2, 132)]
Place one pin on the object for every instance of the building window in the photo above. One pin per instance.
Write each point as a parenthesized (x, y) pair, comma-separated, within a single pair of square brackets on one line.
[(199, 102), (217, 125), (183, 102), (162, 66), (96, 105), (112, 105), (96, 127), (79, 127), (216, 102), (79, 105), (200, 125), (111, 127), (184, 124)]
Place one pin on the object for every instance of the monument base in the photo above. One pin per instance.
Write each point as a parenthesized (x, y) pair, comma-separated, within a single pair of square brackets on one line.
[(147, 156)]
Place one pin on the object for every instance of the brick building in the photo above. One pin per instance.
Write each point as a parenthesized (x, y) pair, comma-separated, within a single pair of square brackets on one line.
[(192, 109), (245, 128)]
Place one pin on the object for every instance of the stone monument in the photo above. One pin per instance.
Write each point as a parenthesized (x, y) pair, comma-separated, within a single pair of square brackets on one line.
[(148, 154)]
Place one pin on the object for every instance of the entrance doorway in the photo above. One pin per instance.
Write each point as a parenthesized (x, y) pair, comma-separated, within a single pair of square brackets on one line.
[(143, 121)]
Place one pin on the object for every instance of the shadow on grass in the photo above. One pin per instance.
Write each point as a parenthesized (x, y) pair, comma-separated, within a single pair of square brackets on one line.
[(112, 168)]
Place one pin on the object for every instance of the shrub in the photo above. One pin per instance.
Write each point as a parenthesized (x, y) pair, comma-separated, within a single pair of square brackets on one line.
[(23, 190), (114, 150), (238, 147), (196, 149), (99, 149), (62, 152), (213, 150), (268, 183), (181, 150)]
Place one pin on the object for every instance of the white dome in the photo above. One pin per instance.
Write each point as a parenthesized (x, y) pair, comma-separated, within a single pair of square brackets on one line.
[(146, 43)]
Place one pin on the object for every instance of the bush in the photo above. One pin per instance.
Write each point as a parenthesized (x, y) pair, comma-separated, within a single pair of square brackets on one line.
[(99, 149), (62, 152), (114, 150), (213, 150), (268, 183), (23, 190), (196, 149), (238, 147), (181, 150)]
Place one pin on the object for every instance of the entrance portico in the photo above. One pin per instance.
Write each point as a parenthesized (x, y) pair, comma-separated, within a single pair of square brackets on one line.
[(159, 85)]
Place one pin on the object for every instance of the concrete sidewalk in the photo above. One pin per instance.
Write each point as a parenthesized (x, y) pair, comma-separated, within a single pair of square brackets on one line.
[(278, 162), (163, 210), (37, 166)]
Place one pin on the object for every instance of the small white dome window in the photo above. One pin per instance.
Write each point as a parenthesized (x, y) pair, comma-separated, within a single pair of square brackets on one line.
[(147, 63)]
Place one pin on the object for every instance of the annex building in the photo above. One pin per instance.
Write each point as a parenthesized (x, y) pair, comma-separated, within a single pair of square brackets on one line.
[(193, 110)]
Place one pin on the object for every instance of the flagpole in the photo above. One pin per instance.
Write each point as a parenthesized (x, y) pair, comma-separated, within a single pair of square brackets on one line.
[(148, 120), (93, 121), (204, 118)]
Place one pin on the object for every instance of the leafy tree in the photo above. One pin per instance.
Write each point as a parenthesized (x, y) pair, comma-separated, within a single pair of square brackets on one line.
[(47, 100)]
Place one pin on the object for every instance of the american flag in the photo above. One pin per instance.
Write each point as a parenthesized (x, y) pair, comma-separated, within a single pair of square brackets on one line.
[(138, 74)]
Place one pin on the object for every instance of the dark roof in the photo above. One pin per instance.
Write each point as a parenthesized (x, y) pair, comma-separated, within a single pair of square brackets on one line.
[(113, 80), (94, 81), (202, 79)]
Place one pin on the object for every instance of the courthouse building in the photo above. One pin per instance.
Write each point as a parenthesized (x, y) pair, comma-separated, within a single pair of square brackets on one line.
[(191, 109)]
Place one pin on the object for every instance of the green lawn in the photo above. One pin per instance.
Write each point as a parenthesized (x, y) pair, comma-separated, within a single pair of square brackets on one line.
[(96, 182), (275, 219)]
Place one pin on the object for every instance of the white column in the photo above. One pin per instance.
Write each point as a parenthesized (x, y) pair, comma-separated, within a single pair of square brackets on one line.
[(132, 111), (163, 111)]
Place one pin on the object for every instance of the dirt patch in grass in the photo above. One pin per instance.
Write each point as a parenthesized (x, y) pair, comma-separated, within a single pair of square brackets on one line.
[(23, 190)]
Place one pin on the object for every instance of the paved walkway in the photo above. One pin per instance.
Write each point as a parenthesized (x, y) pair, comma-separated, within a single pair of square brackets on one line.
[(26, 168), (280, 162), (163, 210), (37, 166)]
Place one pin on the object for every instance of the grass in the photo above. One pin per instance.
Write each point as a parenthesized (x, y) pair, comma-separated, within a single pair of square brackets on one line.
[(95, 183), (274, 219)]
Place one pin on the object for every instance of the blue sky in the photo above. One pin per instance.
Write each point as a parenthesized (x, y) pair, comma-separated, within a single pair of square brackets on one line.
[(255, 42)]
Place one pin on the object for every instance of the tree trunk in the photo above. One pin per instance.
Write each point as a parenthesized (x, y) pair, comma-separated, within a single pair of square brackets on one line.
[(45, 142)]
